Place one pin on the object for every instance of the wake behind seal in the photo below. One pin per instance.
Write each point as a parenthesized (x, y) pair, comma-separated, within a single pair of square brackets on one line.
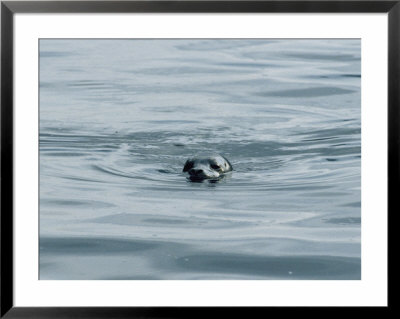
[(212, 167)]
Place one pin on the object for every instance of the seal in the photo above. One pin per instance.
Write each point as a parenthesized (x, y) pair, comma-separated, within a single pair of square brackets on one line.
[(211, 167)]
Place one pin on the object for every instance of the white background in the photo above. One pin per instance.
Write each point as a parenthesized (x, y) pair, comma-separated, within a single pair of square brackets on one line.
[(370, 291)]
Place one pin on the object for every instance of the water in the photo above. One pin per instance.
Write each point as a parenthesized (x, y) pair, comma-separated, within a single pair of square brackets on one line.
[(119, 118)]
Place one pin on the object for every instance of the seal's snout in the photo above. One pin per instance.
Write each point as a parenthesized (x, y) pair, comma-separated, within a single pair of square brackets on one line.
[(202, 173)]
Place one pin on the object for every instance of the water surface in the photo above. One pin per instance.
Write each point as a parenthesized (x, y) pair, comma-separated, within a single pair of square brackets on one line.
[(119, 118)]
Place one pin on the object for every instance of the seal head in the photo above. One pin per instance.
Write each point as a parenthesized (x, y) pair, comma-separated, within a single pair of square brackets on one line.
[(207, 167)]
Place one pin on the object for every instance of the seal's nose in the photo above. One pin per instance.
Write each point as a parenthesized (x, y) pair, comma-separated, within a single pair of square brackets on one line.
[(195, 172)]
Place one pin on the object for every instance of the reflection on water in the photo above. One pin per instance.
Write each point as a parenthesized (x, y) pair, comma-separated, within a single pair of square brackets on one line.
[(119, 118)]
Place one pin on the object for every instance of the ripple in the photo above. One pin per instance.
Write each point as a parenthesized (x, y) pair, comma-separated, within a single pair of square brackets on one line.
[(55, 54), (307, 92), (75, 203), (91, 245), (171, 221), (324, 56), (279, 267), (344, 221)]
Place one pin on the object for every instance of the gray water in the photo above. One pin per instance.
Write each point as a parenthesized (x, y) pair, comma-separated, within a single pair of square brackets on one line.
[(119, 118)]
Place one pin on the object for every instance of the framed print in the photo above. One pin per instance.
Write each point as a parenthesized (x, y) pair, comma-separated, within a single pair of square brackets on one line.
[(172, 158)]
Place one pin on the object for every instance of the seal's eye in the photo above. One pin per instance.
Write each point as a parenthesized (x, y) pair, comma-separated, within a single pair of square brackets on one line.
[(215, 166), (188, 166)]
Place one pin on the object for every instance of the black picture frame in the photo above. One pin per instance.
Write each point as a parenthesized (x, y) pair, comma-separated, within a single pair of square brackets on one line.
[(9, 8)]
